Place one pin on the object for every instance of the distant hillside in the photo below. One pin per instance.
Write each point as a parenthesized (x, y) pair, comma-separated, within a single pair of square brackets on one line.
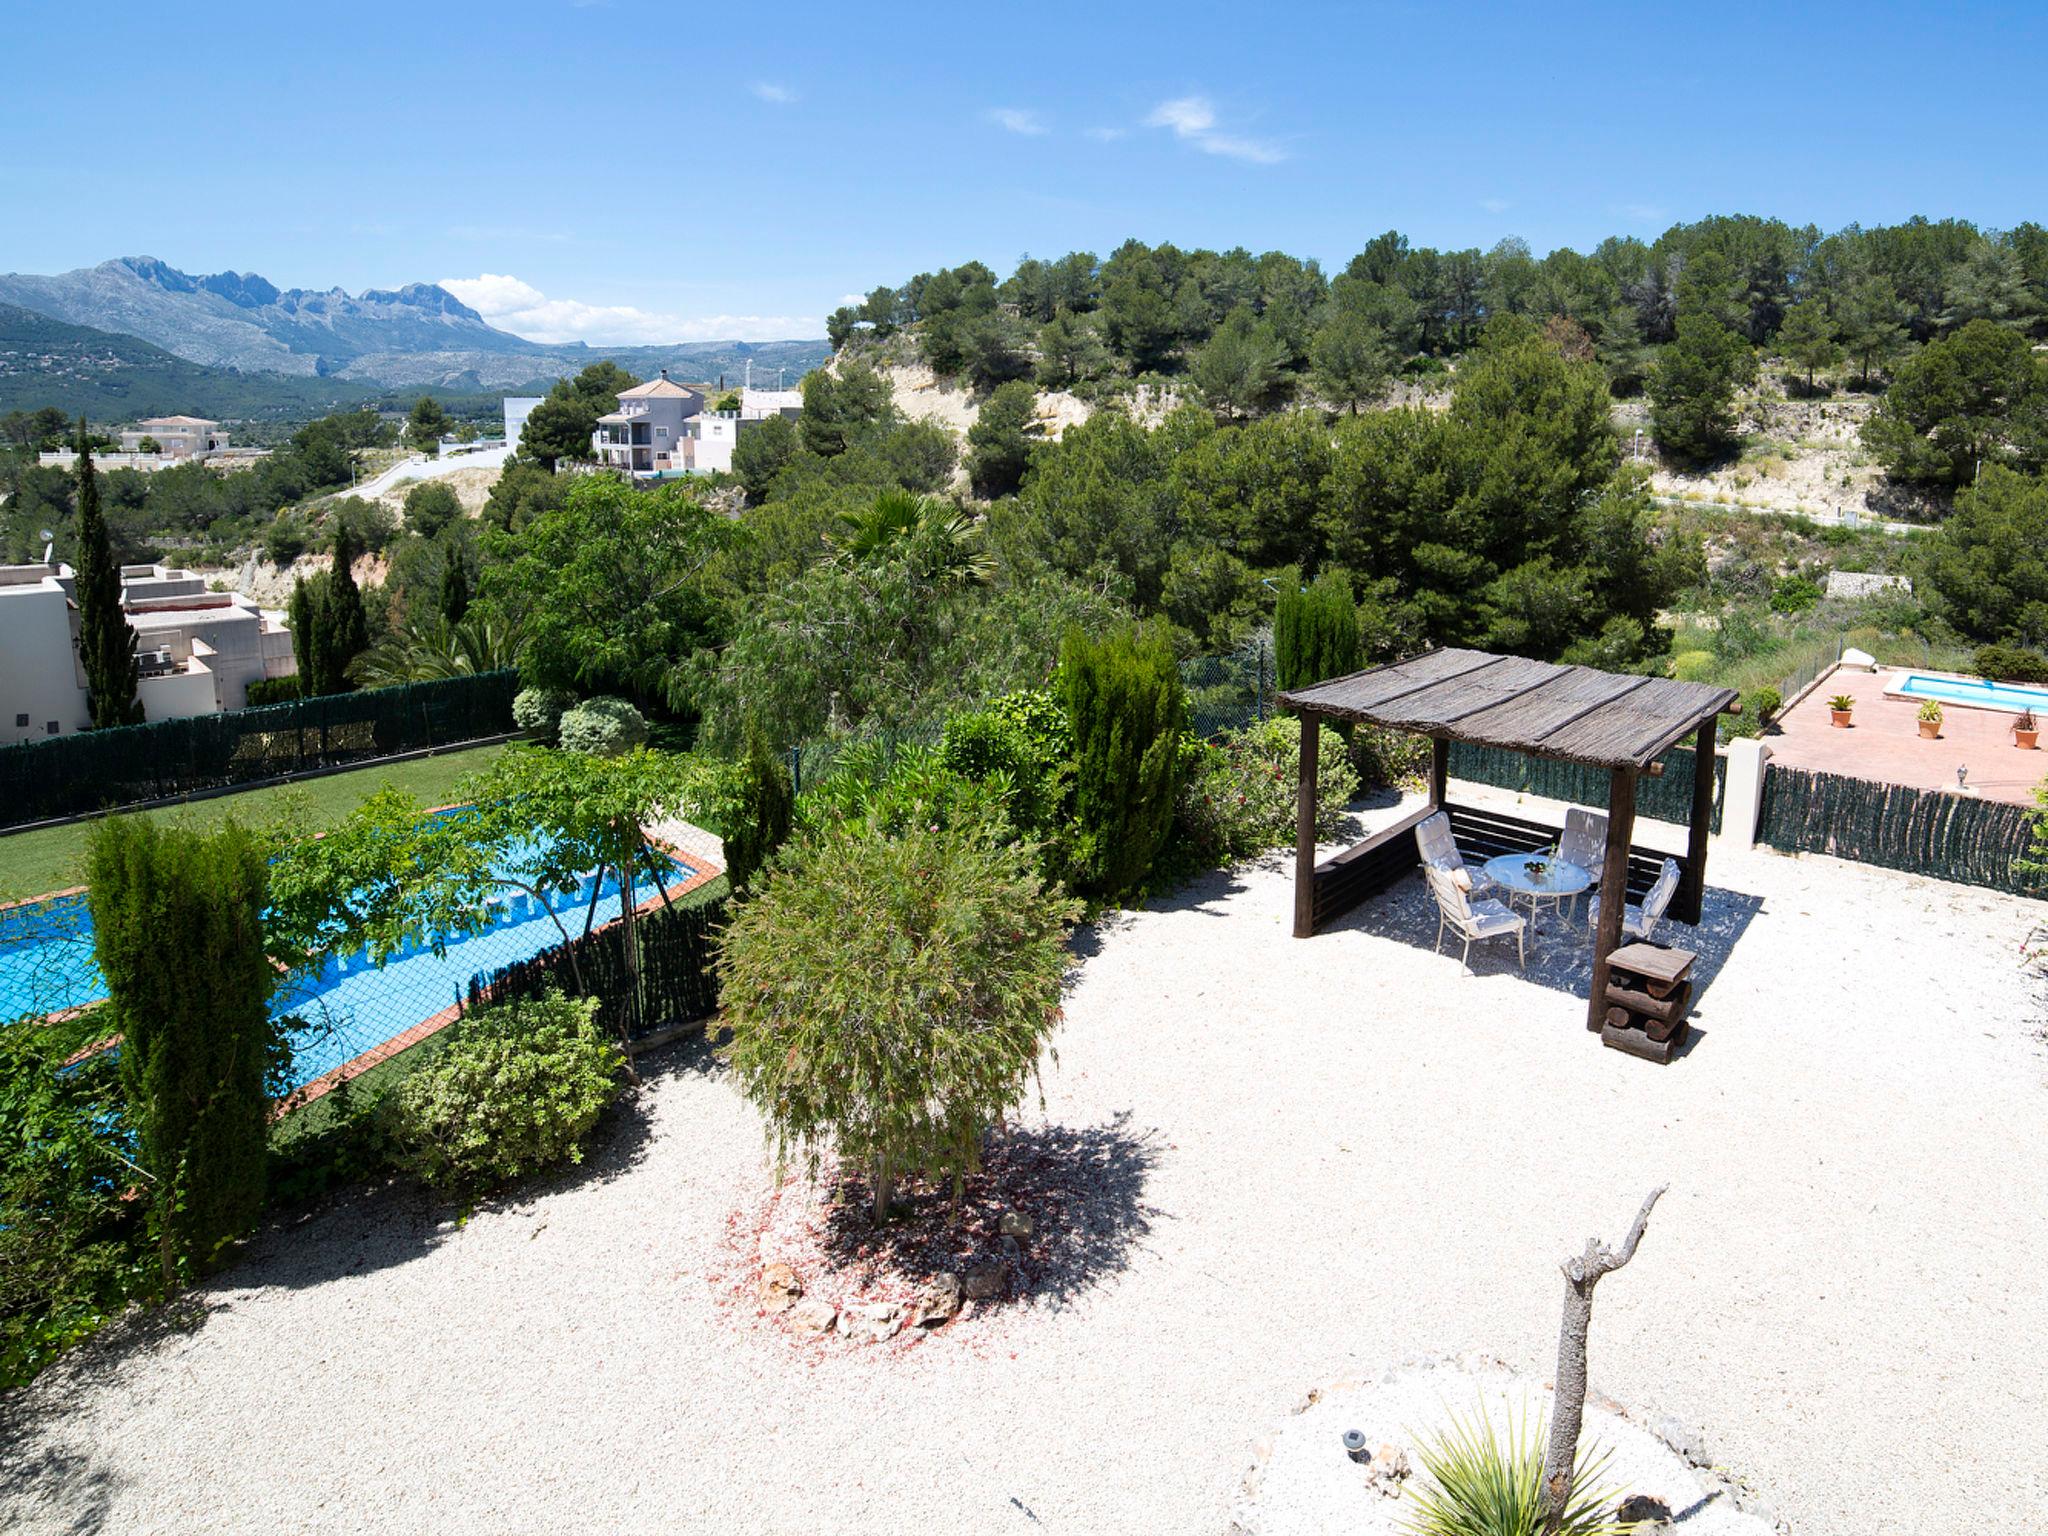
[(417, 335), (118, 378)]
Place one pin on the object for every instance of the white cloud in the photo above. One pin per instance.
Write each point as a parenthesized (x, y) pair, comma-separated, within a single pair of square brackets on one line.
[(519, 307), (1105, 135), (775, 95), (1495, 204), (1193, 120), (1016, 120)]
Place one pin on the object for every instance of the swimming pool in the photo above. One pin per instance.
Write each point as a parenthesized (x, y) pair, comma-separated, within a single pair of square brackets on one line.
[(1970, 692), (349, 1006)]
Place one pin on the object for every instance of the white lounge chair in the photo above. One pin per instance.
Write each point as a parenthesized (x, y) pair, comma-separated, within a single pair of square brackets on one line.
[(1638, 921), (1584, 843), (1472, 919), (1439, 850)]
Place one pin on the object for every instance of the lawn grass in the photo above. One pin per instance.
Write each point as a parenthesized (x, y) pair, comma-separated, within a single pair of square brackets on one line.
[(32, 863)]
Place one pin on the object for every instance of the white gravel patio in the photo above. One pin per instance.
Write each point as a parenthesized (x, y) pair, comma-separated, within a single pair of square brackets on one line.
[(1351, 1155)]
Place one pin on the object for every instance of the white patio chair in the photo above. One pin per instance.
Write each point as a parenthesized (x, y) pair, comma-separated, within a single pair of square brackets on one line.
[(1638, 921), (1439, 850), (1584, 843), (1472, 919)]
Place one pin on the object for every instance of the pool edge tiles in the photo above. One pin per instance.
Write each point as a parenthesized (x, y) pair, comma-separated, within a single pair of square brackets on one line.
[(702, 872)]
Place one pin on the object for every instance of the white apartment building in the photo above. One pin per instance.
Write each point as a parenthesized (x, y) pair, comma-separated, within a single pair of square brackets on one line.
[(517, 408), (199, 650)]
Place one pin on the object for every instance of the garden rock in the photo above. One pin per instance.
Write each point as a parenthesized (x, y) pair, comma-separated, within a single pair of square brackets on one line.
[(780, 1289), (813, 1317), (1014, 1224), (936, 1302), (985, 1282), (872, 1323), (1648, 1516), (1386, 1466)]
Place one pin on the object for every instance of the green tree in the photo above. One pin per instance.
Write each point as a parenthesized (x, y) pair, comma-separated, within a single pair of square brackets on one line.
[(1807, 339), (1070, 351), (1125, 705), (1988, 565), (895, 1041), (1978, 397), (610, 587), (178, 934), (943, 543), (106, 644), (348, 626), (1350, 359), (1315, 633), (1692, 389), (756, 810), (430, 507), (426, 425), (840, 407), (999, 442), (762, 451), (1872, 330), (1238, 369), (992, 352), (312, 645), (454, 587)]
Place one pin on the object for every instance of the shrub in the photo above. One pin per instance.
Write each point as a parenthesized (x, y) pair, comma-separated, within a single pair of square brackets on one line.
[(274, 690), (430, 507), (178, 932), (1762, 704), (757, 809), (1795, 594), (894, 1039), (1125, 706), (1479, 1485), (1239, 798), (538, 711), (515, 1090), (602, 727), (1692, 666), (2012, 664)]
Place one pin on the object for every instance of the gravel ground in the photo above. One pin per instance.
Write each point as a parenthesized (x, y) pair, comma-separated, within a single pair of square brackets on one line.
[(1337, 1155)]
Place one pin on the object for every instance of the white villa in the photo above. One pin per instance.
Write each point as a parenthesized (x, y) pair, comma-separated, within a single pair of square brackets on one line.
[(176, 437), (199, 650), (661, 428)]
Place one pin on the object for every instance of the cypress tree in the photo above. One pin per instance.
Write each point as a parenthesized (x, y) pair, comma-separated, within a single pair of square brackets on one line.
[(454, 587), (310, 615), (348, 632), (178, 933), (1315, 634), (106, 645), (1128, 713)]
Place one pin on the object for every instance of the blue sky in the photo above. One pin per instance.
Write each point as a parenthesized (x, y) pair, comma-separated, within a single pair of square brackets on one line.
[(632, 170)]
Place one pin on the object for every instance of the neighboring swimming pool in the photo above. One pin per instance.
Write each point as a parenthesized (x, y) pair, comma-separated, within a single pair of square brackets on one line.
[(350, 1007), (1970, 692)]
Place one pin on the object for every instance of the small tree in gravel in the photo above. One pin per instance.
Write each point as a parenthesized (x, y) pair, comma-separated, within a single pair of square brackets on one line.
[(1581, 1274), (889, 995), (1127, 710)]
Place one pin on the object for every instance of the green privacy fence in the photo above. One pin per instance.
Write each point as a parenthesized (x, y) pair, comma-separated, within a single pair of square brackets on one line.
[(1228, 692), (1668, 798), (678, 978), (96, 770), (1925, 832)]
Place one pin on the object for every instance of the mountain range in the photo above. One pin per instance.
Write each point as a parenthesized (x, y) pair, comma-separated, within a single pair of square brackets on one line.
[(417, 336)]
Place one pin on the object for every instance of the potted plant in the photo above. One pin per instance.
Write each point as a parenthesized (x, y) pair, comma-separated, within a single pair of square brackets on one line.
[(2026, 735), (1930, 720), (1838, 709)]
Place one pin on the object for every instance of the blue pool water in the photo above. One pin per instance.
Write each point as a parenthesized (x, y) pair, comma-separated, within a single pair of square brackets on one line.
[(350, 1005), (1950, 690)]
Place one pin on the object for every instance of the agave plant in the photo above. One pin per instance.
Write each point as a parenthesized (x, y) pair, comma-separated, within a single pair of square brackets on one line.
[(429, 647), (1484, 1484), (929, 525)]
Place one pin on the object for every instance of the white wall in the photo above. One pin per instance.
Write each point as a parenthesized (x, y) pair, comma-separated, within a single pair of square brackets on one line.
[(38, 664)]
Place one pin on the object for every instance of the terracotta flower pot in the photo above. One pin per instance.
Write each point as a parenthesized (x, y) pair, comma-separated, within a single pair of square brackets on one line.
[(1930, 730), (2026, 741), (1839, 718)]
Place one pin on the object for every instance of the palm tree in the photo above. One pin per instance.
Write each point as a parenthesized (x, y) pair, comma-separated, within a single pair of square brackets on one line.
[(930, 526), (429, 647)]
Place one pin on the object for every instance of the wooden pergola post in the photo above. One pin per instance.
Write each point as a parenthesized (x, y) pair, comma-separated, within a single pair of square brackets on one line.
[(1621, 829), (1439, 770), (1690, 897), (1305, 828)]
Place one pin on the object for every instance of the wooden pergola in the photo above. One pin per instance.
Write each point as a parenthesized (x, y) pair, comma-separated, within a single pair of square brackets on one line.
[(1610, 721)]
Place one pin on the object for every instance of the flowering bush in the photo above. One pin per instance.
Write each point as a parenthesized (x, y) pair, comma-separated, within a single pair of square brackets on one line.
[(1238, 798)]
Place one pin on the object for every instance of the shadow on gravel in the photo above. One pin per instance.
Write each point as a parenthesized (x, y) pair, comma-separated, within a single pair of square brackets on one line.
[(1080, 1188), (59, 1487), (1560, 944)]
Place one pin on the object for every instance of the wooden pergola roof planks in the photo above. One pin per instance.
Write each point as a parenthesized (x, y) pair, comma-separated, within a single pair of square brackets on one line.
[(1612, 721)]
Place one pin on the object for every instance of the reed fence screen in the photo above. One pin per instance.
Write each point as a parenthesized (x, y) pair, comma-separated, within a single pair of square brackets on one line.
[(1921, 831), (1667, 798)]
